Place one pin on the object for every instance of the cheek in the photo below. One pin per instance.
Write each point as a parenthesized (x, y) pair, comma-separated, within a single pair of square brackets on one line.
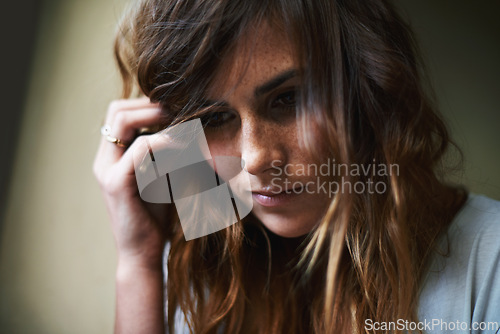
[(221, 145)]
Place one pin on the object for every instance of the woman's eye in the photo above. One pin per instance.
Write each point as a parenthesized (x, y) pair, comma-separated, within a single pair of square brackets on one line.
[(285, 100), (216, 119)]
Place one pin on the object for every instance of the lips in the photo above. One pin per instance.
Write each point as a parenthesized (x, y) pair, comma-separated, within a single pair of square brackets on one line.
[(275, 198), (277, 191), (269, 193)]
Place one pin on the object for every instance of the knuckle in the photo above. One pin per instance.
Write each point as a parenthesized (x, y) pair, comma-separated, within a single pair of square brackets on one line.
[(140, 149), (120, 120), (115, 106), (140, 146), (140, 141)]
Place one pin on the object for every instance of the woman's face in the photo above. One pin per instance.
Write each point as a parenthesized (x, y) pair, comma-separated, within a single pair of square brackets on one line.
[(255, 89)]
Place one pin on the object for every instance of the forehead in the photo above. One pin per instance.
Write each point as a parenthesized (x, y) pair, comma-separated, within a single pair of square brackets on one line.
[(260, 54)]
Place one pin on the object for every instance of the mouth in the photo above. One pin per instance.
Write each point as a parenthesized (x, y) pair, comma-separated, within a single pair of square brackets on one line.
[(273, 198)]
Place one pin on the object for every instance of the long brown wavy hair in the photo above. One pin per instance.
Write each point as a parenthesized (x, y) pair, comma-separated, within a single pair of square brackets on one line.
[(365, 96)]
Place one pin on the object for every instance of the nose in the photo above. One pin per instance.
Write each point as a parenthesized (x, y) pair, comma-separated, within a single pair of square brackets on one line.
[(263, 146)]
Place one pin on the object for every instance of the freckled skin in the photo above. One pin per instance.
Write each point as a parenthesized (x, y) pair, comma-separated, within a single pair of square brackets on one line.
[(260, 134)]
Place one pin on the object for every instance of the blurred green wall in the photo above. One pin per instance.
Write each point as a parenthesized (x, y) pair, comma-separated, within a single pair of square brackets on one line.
[(56, 249), (461, 44)]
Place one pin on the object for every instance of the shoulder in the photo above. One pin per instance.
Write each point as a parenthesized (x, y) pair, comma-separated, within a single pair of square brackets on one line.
[(474, 236), (475, 231), (479, 212), (463, 281)]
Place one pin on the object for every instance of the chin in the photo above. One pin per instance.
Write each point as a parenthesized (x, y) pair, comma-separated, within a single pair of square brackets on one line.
[(286, 227)]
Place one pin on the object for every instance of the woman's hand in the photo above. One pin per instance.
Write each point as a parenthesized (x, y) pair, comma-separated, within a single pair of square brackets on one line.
[(139, 228)]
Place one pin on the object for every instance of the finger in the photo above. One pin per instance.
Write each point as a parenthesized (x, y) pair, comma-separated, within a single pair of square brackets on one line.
[(151, 157), (170, 149), (142, 148), (127, 123), (135, 170), (119, 178), (118, 106), (124, 128)]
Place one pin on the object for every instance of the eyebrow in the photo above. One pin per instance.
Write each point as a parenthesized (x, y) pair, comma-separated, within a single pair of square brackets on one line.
[(262, 89), (275, 82)]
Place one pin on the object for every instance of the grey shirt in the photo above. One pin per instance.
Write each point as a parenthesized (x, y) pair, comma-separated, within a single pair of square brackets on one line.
[(461, 291)]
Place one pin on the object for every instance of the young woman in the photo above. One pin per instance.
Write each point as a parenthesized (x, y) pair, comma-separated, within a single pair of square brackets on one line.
[(283, 85)]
